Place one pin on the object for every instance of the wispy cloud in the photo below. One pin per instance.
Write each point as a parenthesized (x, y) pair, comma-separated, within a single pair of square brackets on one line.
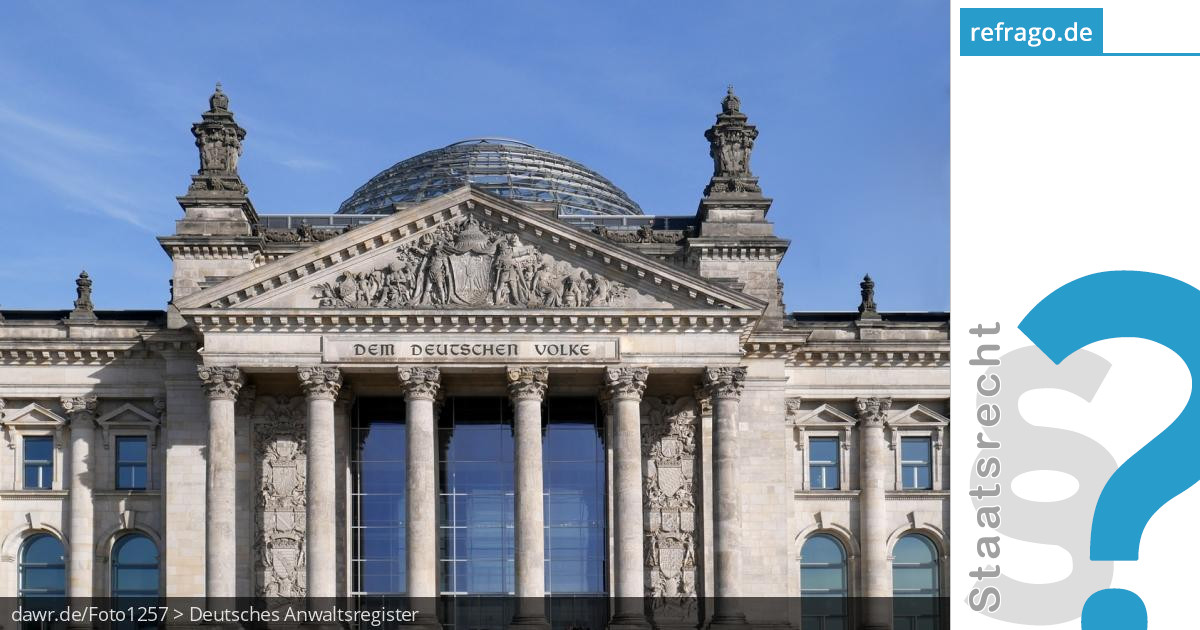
[(70, 162), (307, 164)]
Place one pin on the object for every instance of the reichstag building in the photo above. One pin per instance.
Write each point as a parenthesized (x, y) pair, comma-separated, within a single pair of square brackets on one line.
[(489, 374)]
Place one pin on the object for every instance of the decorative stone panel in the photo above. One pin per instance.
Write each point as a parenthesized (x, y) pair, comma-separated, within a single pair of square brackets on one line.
[(279, 454), (669, 446)]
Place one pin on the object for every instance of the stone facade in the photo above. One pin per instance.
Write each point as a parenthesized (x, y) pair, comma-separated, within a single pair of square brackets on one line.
[(243, 386)]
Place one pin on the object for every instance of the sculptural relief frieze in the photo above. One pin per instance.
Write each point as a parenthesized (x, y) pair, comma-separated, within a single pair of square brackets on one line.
[(669, 446), (470, 264), (279, 514)]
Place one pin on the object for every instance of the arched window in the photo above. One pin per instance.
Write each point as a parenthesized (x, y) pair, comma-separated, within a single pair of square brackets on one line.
[(43, 569), (915, 583), (823, 583), (135, 567)]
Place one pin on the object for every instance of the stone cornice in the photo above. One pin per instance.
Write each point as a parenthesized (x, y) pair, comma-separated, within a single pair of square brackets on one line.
[(513, 321)]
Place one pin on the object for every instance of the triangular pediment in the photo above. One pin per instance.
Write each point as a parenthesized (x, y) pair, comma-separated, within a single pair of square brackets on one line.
[(919, 415), (33, 415), (467, 251), (824, 416), (127, 415)]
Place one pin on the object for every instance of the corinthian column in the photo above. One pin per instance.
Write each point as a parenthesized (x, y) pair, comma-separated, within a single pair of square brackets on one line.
[(527, 389), (421, 385), (874, 461), (321, 386), (222, 385), (82, 413), (624, 388), (724, 386)]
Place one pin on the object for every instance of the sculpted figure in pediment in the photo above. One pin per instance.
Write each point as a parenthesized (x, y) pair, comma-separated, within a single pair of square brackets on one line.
[(470, 264)]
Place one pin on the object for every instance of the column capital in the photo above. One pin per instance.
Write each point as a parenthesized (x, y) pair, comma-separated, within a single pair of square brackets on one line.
[(221, 382), (320, 382), (527, 383), (628, 383), (80, 407), (420, 383), (872, 412), (724, 382)]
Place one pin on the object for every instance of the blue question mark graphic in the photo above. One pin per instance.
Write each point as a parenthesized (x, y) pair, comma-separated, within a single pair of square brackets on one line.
[(1106, 306)]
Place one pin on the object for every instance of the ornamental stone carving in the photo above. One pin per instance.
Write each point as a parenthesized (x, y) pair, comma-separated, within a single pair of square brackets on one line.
[(867, 308), (873, 412), (80, 407), (219, 140), (625, 382), (303, 233), (643, 234), (320, 382), (527, 383), (280, 469), (420, 383), (468, 264), (669, 447), (730, 141), (724, 382), (221, 382), (84, 309)]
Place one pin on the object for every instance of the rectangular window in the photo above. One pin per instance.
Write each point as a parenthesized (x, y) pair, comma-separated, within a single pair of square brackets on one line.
[(131, 463), (823, 463), (39, 463), (916, 463)]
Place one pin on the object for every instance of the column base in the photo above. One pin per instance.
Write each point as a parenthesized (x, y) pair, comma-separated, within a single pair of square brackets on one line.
[(728, 622), (530, 622), (628, 621)]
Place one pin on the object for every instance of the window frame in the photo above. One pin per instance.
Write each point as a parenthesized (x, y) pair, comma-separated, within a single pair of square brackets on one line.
[(906, 465), (145, 463), (920, 421), (835, 465), (22, 565), (41, 464), (34, 420)]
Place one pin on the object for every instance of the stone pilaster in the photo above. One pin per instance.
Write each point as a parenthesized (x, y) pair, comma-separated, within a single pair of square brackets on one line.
[(222, 385), (874, 462), (723, 385), (421, 386), (527, 390), (81, 410), (624, 387), (321, 386)]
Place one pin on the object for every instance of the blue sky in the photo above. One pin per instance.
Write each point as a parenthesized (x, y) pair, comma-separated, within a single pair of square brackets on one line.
[(851, 100)]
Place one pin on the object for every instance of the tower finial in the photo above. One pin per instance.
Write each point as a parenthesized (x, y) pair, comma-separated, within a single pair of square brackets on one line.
[(219, 139), (730, 141), (867, 308)]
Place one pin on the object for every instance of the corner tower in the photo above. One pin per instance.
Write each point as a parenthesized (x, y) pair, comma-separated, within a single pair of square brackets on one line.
[(217, 237), (735, 243)]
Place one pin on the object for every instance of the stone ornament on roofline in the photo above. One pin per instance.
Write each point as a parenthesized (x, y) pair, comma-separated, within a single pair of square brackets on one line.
[(320, 383), (221, 382), (420, 383), (527, 383), (219, 140), (730, 141)]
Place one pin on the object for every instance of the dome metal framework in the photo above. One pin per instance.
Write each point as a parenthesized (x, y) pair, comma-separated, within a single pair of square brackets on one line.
[(506, 168)]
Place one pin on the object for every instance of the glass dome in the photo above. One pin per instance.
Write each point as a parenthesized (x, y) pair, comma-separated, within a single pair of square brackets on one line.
[(506, 168)]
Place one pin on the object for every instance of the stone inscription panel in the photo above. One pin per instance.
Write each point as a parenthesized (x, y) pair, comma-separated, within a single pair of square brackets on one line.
[(475, 349)]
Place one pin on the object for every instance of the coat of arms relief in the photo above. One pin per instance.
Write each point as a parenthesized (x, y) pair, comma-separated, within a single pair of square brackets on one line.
[(472, 264), (279, 456), (669, 447)]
